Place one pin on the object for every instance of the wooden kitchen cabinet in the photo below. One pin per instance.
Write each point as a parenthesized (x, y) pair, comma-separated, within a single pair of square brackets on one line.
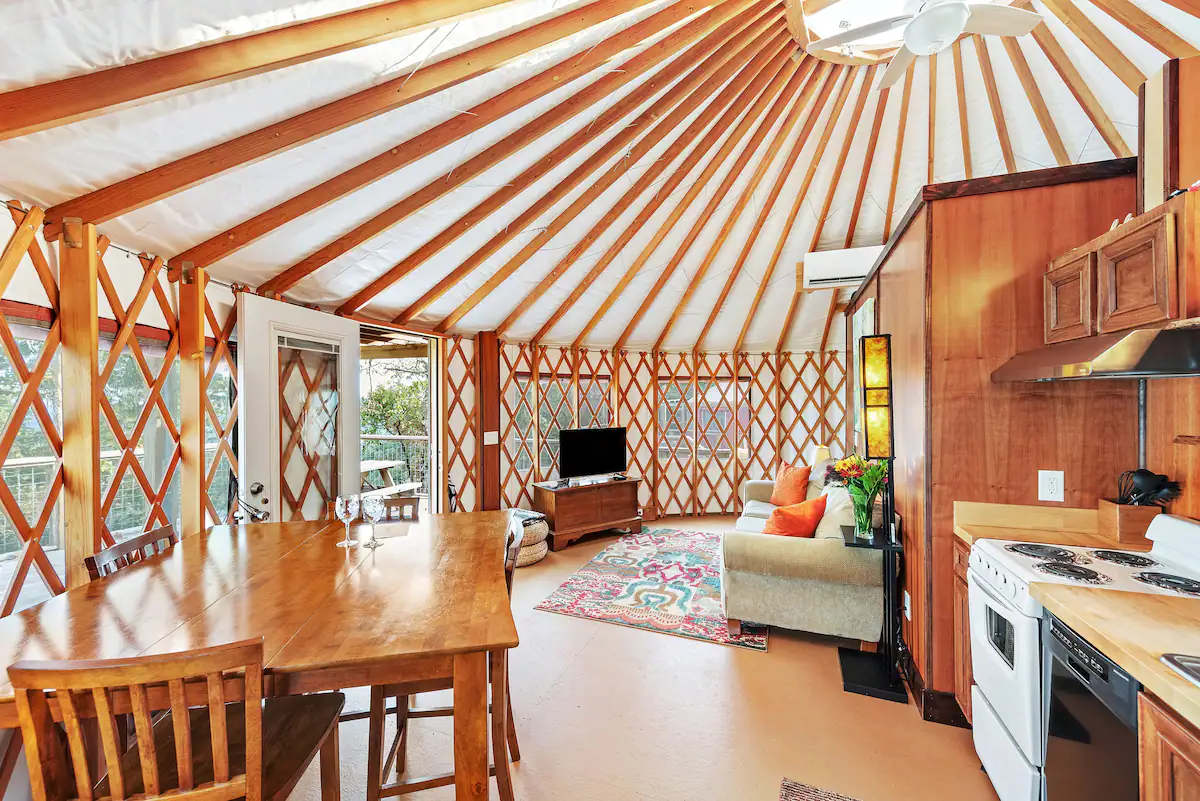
[(1134, 275), (1070, 307), (1169, 753), (962, 629), (1137, 277)]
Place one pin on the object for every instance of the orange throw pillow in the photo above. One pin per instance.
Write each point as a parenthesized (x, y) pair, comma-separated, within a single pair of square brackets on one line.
[(797, 520), (791, 485)]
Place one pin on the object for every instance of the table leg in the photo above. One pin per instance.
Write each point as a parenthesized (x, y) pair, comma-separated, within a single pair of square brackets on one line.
[(470, 726)]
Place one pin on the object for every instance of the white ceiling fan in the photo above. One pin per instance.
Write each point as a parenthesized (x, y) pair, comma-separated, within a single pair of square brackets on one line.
[(934, 25)]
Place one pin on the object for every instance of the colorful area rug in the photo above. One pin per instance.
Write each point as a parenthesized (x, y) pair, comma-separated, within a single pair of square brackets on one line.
[(662, 580), (794, 791)]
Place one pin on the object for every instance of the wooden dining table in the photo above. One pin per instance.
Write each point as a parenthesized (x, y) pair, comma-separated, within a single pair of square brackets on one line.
[(430, 603)]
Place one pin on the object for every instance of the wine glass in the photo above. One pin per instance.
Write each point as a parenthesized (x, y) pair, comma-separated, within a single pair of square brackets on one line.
[(346, 509), (372, 509)]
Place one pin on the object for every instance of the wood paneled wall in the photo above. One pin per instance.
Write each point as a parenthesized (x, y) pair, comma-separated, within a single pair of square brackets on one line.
[(988, 255), (902, 292), (960, 291), (1173, 437)]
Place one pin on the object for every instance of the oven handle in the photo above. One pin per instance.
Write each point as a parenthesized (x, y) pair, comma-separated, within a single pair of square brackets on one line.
[(1001, 602)]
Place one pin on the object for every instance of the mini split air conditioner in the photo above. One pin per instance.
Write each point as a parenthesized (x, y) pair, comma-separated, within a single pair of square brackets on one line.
[(829, 269)]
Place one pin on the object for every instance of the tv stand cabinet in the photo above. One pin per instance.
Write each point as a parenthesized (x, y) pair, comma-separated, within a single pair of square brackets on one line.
[(576, 508)]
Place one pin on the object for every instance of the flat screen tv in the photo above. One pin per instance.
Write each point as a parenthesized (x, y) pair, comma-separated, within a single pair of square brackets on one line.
[(591, 451)]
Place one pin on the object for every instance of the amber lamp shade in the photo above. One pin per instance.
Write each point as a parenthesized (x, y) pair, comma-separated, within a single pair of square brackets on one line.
[(876, 361)]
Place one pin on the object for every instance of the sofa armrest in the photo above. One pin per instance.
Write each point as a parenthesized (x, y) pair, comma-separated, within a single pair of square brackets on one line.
[(758, 491), (802, 558)]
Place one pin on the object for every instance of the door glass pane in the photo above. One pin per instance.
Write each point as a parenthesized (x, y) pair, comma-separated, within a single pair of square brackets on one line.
[(308, 409)]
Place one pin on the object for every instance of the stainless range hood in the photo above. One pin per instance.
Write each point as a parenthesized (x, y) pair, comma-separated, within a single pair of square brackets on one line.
[(1163, 351)]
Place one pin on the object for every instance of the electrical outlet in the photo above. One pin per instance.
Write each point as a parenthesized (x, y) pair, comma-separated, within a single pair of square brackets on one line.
[(1050, 485), (907, 606)]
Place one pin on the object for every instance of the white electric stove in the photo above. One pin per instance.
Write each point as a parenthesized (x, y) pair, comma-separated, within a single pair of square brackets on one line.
[(1006, 632)]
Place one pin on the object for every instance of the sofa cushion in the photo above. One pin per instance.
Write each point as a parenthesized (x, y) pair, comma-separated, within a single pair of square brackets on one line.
[(791, 485), (839, 511), (796, 520), (758, 509), (751, 525)]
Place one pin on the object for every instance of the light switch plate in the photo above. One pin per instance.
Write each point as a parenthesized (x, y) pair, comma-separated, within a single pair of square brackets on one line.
[(1050, 485), (907, 606), (491, 437)]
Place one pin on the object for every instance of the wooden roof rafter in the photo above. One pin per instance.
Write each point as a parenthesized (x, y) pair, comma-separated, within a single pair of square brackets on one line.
[(830, 79), (452, 130), (37, 108), (671, 108), (690, 138), (424, 81)]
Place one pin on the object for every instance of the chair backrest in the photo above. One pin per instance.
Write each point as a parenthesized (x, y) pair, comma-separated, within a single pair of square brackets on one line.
[(516, 533), (106, 689), (129, 552)]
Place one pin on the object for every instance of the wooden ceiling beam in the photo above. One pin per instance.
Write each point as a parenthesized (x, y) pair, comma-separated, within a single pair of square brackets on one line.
[(779, 94), (1078, 86), (750, 64), (836, 176), (868, 163), (796, 23), (1190, 6), (899, 152), (1044, 118), (494, 108), (765, 85), (964, 130), (993, 93), (1153, 32), (38, 108), (806, 81), (830, 74), (423, 81), (712, 53), (1088, 33), (833, 309), (823, 142)]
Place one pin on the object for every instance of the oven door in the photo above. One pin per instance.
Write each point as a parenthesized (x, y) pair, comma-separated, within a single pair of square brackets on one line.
[(1006, 663)]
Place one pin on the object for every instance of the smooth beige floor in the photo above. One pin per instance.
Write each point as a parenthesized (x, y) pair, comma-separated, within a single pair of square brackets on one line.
[(606, 712)]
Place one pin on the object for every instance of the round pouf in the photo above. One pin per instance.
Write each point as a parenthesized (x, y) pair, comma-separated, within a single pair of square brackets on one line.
[(533, 543), (531, 554)]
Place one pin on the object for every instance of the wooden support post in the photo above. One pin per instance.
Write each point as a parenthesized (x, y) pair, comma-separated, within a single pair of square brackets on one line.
[(78, 261), (487, 413), (192, 282)]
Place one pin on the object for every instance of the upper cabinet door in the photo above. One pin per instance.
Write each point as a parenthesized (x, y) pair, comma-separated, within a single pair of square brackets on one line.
[(1070, 309), (1137, 282)]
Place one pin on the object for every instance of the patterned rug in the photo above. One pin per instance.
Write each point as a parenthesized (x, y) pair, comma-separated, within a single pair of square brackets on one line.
[(662, 580), (794, 791)]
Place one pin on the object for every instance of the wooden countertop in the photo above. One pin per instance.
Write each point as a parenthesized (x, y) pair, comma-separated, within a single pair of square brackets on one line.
[(1134, 630), (968, 533)]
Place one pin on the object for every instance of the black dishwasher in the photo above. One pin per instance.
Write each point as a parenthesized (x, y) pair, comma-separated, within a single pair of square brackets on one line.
[(1089, 711)]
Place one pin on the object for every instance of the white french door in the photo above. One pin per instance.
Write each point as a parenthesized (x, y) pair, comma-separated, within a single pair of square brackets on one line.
[(298, 407)]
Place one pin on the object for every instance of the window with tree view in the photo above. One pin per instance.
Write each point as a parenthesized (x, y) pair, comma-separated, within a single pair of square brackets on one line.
[(395, 419)]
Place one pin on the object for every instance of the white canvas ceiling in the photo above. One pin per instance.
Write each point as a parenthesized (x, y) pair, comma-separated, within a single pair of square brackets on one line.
[(42, 42)]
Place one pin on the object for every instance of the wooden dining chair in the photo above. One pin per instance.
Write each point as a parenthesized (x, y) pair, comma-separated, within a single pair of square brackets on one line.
[(504, 736), (203, 748), (130, 551)]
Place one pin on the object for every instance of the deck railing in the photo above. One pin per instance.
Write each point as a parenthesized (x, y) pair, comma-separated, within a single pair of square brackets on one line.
[(411, 451)]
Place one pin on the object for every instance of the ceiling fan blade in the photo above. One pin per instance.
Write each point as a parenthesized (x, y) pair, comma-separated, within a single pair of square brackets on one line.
[(861, 32), (992, 20), (898, 66)]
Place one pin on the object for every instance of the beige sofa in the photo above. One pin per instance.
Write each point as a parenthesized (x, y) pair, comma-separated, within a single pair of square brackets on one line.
[(817, 585)]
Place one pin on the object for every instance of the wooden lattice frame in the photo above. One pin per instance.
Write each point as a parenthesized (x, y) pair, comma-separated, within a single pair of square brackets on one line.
[(593, 371), (292, 426), (126, 317), (556, 368), (634, 389), (799, 406), (221, 355), (462, 453), (30, 400), (758, 442), (518, 467), (715, 480), (675, 491)]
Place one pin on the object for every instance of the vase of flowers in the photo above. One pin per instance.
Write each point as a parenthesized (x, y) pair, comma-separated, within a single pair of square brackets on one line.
[(864, 480)]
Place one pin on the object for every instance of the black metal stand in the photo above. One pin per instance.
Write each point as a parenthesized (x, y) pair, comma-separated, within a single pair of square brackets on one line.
[(878, 674)]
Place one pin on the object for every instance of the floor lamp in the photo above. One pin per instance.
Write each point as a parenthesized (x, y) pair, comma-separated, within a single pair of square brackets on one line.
[(877, 674)]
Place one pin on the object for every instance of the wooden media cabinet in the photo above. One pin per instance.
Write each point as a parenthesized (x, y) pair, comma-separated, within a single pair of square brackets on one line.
[(577, 507)]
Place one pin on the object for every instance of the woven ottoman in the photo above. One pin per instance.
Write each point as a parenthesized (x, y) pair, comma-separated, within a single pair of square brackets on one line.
[(534, 545)]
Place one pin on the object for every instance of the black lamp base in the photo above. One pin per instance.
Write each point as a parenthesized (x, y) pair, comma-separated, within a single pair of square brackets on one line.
[(865, 673)]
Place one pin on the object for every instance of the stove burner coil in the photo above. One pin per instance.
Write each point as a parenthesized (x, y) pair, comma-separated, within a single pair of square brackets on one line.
[(1051, 553), (1077, 573), (1167, 581), (1124, 558)]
